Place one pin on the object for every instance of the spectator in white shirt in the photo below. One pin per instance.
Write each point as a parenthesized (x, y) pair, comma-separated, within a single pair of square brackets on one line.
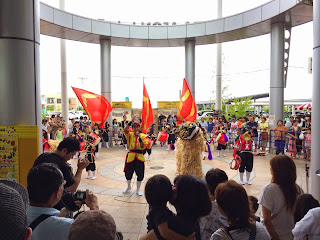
[(204, 124), (278, 199), (289, 123), (71, 125)]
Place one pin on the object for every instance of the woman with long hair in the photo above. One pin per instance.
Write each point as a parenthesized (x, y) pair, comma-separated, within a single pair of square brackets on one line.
[(278, 198), (191, 200), (233, 202)]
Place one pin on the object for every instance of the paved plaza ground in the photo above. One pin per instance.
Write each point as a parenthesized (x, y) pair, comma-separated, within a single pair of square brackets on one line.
[(130, 210)]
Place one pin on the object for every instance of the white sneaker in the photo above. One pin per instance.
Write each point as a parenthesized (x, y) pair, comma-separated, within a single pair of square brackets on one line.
[(218, 155), (87, 177), (242, 182), (249, 182), (126, 189), (139, 193), (93, 178), (223, 155), (168, 149), (148, 159)]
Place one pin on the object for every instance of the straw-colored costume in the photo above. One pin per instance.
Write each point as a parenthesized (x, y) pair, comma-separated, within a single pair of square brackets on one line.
[(189, 148)]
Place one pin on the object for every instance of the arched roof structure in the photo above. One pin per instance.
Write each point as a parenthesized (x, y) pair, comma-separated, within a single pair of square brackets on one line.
[(255, 22)]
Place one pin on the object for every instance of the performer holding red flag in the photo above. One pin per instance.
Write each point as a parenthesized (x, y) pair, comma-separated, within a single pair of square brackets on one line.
[(137, 142), (96, 106), (147, 114), (187, 109)]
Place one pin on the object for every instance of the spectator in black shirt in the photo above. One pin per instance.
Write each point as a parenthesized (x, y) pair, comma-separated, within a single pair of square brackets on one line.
[(65, 151)]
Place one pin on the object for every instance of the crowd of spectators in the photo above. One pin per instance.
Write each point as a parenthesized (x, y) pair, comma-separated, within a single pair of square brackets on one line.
[(213, 207), (291, 135)]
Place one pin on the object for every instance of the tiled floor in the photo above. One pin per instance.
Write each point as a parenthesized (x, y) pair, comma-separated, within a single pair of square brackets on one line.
[(130, 210)]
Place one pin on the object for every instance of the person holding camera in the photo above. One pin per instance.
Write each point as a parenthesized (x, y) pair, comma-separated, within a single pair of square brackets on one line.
[(137, 142), (45, 188), (65, 151)]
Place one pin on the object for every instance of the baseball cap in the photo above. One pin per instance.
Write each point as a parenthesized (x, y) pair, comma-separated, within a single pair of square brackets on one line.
[(13, 220), (93, 224)]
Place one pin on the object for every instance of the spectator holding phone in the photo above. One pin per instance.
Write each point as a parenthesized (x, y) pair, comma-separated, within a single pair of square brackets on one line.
[(45, 188)]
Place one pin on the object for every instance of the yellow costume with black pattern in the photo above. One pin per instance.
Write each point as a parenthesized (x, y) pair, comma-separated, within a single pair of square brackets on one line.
[(133, 144)]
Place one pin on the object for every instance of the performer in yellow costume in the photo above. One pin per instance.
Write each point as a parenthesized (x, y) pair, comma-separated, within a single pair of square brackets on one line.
[(137, 142)]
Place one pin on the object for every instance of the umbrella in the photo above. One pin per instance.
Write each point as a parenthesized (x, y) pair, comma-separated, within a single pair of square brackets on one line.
[(305, 106)]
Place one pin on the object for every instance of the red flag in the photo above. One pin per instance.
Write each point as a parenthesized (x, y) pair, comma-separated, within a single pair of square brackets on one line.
[(96, 106), (147, 115), (187, 108)]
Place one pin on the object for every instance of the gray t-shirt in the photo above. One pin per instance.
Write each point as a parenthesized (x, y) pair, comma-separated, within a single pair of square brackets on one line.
[(204, 125), (241, 234)]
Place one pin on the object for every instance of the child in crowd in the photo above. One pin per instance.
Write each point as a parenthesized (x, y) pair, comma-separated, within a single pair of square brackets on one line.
[(280, 132), (263, 127), (215, 220), (304, 203), (221, 139), (64, 131), (158, 192), (307, 141), (254, 206), (46, 145), (59, 134)]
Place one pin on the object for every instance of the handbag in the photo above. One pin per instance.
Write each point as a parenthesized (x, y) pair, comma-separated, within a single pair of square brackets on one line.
[(264, 136), (301, 136)]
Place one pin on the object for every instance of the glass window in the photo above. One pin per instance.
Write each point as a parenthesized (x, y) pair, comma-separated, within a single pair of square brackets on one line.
[(50, 100)]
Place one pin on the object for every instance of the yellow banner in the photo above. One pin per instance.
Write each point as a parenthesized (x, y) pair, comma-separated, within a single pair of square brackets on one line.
[(121, 105), (9, 158), (18, 150), (168, 104)]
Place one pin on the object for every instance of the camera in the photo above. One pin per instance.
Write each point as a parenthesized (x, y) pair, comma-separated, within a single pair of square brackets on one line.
[(80, 195), (68, 200)]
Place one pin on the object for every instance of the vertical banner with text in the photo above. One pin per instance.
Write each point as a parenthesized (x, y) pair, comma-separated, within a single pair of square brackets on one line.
[(18, 151)]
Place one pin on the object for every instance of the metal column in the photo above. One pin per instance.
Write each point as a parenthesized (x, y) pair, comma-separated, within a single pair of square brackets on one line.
[(218, 105), (315, 133), (64, 80), (105, 68), (190, 65), (277, 73), (19, 64)]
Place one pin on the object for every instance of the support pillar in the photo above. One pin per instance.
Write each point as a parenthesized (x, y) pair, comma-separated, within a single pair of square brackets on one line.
[(105, 68), (190, 65), (20, 75), (19, 64), (277, 73), (315, 133), (293, 110), (64, 80), (218, 106)]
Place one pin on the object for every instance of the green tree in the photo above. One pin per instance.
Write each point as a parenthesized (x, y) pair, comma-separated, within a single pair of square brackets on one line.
[(265, 109), (50, 108), (239, 107)]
